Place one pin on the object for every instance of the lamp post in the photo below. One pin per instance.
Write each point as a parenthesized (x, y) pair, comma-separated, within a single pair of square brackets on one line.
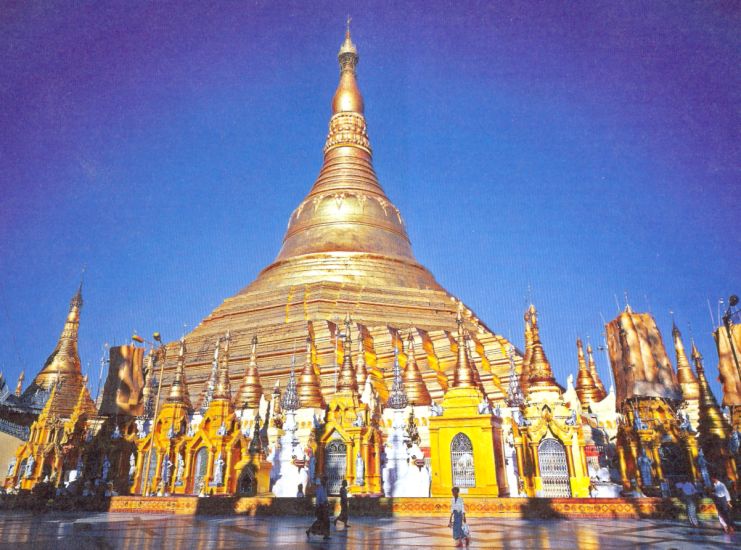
[(162, 354), (728, 322)]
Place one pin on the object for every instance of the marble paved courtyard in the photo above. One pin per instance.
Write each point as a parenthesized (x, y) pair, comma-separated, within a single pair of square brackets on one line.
[(24, 530)]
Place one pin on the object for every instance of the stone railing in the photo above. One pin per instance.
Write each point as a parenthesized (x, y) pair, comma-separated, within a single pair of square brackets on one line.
[(21, 432)]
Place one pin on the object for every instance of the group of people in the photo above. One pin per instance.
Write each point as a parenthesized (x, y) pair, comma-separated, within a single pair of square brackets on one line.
[(321, 523), (457, 521), (721, 497)]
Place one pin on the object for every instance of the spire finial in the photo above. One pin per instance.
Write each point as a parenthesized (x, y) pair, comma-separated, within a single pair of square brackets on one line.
[(308, 387), (179, 387), (250, 390), (289, 400), (349, 20), (398, 397)]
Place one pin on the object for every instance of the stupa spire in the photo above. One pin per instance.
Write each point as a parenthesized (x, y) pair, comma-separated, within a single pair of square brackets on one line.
[(64, 361), (463, 376), (223, 389), (711, 418), (602, 393), (208, 391), (347, 210), (347, 380), (361, 372), (685, 376), (179, 387), (586, 388), (397, 397), (541, 374), (309, 388), (290, 400), (19, 385), (530, 314), (250, 391), (414, 384)]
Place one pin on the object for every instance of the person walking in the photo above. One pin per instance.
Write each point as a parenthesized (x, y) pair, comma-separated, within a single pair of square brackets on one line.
[(344, 509), (689, 496), (722, 499), (321, 524), (300, 492), (458, 519)]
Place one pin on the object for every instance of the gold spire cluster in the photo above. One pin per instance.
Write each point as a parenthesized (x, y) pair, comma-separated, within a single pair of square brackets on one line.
[(414, 385), (309, 388), (179, 387), (586, 388), (250, 391)]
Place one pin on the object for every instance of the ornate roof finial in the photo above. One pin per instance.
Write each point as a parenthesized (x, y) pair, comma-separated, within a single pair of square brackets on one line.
[(541, 374), (712, 424), (19, 385), (250, 391), (179, 387), (463, 376), (347, 378), (586, 387), (347, 98), (530, 314), (515, 398), (290, 401), (397, 397), (414, 384), (602, 393), (361, 372), (309, 387), (685, 376), (223, 389), (208, 391)]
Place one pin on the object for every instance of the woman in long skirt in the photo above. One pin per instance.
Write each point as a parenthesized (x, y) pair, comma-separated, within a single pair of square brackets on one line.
[(457, 518), (344, 511)]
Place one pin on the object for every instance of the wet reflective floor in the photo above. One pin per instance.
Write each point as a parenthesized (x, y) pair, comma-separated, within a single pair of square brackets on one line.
[(23, 530)]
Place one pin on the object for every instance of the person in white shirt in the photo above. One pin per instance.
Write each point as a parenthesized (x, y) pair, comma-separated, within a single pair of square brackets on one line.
[(722, 499), (458, 519)]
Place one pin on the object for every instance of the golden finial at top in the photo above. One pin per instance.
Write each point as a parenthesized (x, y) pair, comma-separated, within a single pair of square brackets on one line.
[(347, 45)]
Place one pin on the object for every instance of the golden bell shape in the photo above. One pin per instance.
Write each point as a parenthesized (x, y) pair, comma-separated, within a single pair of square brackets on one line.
[(347, 380), (250, 391), (416, 390), (308, 387), (179, 387)]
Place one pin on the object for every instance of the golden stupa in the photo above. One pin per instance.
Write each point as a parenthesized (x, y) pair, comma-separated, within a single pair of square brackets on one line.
[(345, 251)]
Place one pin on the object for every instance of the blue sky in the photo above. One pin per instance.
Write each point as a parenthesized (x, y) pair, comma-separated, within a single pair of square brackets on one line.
[(581, 149)]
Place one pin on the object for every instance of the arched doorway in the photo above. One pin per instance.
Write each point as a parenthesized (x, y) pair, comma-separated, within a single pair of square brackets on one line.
[(199, 471), (554, 470), (674, 464), (247, 485), (461, 459), (335, 465)]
